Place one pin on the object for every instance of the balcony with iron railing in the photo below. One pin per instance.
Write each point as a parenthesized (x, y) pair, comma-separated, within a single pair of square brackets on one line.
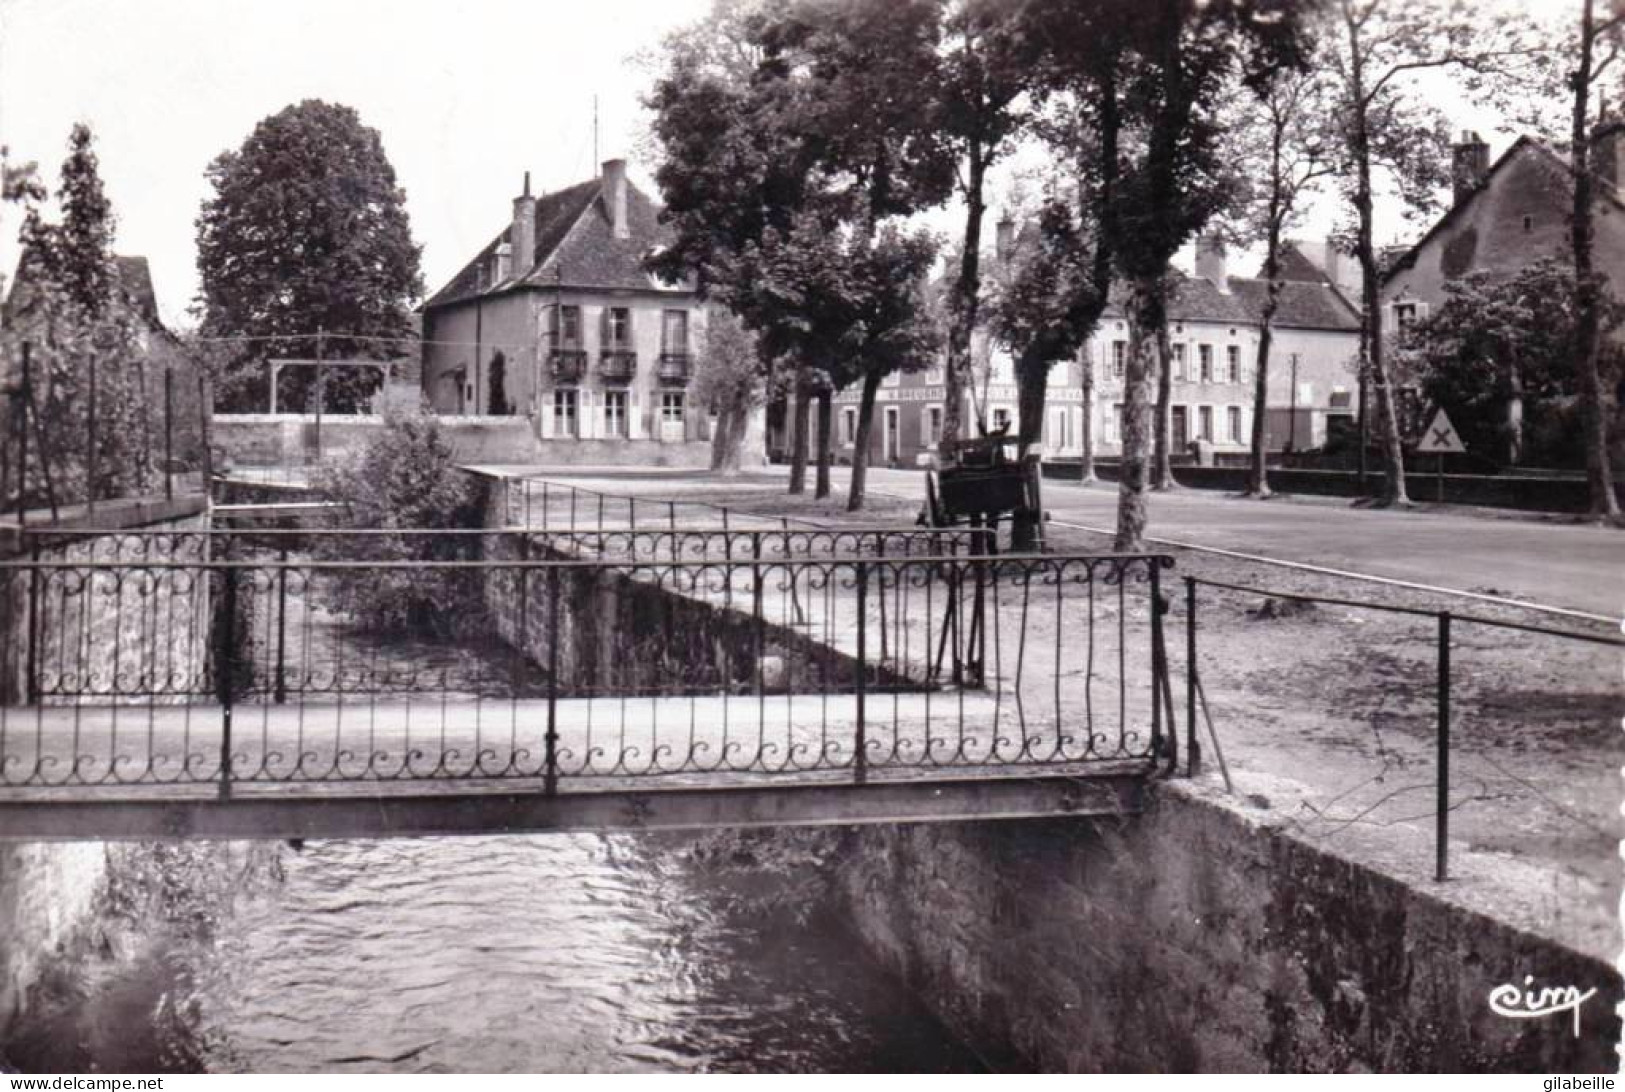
[(568, 365), (673, 367), (617, 365)]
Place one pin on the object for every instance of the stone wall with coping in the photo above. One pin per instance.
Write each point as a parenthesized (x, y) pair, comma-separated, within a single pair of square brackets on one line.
[(1199, 937), (288, 439)]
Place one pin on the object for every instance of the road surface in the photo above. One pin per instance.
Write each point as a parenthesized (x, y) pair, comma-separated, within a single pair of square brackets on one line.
[(1575, 566)]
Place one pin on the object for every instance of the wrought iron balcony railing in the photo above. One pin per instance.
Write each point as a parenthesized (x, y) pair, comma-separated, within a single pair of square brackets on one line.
[(568, 364), (673, 367), (617, 365)]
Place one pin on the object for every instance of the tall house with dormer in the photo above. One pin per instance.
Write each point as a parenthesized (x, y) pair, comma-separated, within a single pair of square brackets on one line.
[(557, 320)]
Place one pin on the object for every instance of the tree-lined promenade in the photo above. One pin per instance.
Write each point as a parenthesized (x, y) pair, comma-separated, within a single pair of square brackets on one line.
[(801, 142)]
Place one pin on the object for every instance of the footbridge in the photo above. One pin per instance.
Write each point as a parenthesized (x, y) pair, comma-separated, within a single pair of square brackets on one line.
[(297, 684)]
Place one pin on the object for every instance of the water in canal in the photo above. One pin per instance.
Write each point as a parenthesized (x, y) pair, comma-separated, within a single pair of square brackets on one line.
[(550, 952)]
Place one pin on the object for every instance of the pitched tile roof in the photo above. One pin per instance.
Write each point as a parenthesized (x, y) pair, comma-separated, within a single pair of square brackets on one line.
[(575, 246), (1558, 167), (135, 279), (1296, 266), (1303, 305)]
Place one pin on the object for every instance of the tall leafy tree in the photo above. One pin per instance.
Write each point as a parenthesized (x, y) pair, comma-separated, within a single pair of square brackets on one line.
[(729, 381), (1600, 43), (736, 176), (1393, 137), (986, 66), (1185, 57), (1497, 345), (306, 231), (1045, 305), (816, 126), (1283, 148), (70, 309)]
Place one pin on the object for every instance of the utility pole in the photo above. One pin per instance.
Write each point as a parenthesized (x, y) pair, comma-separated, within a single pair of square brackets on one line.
[(1292, 421), (321, 376)]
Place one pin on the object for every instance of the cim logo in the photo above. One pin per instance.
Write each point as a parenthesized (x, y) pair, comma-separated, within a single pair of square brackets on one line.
[(1526, 1003)]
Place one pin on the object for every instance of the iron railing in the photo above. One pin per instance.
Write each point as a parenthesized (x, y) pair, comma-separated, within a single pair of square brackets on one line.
[(1443, 620), (673, 367), (618, 365), (57, 455), (568, 364), (254, 670), (553, 505)]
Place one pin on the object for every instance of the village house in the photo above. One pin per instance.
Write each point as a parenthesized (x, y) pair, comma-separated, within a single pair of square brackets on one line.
[(557, 320), (1506, 216), (1214, 322)]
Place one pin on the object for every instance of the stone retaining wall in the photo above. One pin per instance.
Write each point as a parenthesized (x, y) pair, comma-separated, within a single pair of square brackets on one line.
[(1500, 491), (289, 439), (1196, 938)]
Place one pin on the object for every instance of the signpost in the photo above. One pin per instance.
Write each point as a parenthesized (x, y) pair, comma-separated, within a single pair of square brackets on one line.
[(1440, 438)]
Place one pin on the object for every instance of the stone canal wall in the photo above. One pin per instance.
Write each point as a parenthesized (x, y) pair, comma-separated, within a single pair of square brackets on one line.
[(1199, 937), (84, 630), (132, 626)]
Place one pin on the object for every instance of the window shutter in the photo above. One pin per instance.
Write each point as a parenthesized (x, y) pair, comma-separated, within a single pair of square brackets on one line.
[(547, 416)]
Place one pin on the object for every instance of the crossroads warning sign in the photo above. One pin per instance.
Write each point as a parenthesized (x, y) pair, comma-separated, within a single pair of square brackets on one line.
[(1440, 437)]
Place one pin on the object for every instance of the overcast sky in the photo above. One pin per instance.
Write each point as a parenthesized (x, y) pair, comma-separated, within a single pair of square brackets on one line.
[(467, 95)]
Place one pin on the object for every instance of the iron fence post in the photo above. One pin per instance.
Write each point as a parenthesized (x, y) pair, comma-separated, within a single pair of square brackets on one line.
[(860, 768), (1158, 666), (33, 686), (22, 445), (206, 430), (1193, 747), (544, 506), (671, 515), (226, 680), (169, 433), (1442, 804), (550, 776), (95, 448), (282, 629), (572, 509)]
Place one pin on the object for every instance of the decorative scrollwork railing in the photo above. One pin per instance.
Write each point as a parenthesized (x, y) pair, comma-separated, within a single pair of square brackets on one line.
[(855, 654)]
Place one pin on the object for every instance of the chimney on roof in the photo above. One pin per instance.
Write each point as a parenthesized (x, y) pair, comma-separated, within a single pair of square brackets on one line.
[(523, 236), (1211, 261), (1004, 239), (1469, 163), (614, 194)]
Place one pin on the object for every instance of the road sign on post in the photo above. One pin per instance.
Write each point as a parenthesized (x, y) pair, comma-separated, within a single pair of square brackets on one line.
[(1440, 438)]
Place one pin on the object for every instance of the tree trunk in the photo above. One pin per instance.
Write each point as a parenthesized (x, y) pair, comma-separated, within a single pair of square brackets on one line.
[(719, 440), (1587, 319), (1032, 386), (826, 414), (1086, 469), (963, 303), (1376, 363), (728, 445), (1131, 490), (1514, 413), (1258, 476), (1162, 475), (798, 440), (860, 442)]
